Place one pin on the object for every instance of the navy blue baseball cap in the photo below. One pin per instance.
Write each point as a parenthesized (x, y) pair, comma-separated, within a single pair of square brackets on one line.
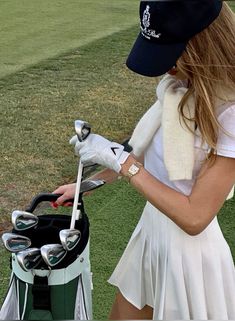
[(165, 29)]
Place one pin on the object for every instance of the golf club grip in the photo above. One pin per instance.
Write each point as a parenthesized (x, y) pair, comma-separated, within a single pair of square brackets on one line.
[(44, 197)]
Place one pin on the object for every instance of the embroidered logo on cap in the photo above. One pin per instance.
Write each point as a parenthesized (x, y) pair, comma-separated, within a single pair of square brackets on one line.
[(148, 33)]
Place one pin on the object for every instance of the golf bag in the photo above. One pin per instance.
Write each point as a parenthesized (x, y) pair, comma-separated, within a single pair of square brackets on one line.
[(51, 293)]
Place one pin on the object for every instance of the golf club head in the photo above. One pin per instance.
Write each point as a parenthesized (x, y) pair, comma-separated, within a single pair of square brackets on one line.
[(53, 254), (91, 184), (15, 243), (23, 220), (29, 259), (87, 186), (82, 129), (70, 238)]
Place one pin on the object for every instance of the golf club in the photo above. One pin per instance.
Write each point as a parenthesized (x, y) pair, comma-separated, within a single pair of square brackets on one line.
[(91, 184), (29, 259), (82, 130), (87, 186), (70, 237), (15, 243), (23, 220), (53, 254)]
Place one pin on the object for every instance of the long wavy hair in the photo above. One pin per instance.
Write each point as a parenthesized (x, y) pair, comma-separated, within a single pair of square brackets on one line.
[(209, 64)]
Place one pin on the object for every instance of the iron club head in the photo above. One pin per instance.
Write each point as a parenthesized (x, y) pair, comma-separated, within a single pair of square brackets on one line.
[(23, 220), (29, 259), (91, 184), (70, 238), (53, 254), (15, 243), (82, 129)]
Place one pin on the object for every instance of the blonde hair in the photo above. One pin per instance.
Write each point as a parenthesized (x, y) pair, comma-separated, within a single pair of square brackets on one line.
[(209, 64)]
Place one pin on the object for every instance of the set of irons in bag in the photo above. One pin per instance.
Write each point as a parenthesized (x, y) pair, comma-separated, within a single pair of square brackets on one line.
[(29, 257)]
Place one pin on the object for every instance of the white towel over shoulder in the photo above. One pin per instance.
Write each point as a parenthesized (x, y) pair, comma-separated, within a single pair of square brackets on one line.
[(178, 140)]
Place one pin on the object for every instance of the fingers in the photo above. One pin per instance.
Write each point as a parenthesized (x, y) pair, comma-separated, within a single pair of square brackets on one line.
[(60, 190), (65, 204), (67, 192), (61, 201), (54, 205)]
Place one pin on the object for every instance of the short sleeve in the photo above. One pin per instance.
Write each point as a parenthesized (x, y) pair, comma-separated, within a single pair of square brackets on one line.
[(226, 143)]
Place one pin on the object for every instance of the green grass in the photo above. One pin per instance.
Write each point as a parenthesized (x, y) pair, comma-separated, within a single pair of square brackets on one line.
[(232, 4), (227, 222), (38, 107), (35, 30), (4, 272)]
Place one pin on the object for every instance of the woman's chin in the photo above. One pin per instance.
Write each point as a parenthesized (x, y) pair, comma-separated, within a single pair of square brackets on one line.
[(172, 72), (177, 73)]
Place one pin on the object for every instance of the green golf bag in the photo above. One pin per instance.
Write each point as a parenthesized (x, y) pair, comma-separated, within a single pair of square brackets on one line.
[(51, 293)]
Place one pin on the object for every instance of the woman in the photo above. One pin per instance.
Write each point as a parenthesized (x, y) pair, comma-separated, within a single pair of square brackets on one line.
[(177, 264)]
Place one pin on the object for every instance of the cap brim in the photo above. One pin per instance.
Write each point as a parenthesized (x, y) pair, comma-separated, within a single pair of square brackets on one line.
[(148, 58)]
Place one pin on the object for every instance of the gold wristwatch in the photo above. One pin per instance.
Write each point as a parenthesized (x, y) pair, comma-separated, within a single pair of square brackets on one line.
[(134, 169)]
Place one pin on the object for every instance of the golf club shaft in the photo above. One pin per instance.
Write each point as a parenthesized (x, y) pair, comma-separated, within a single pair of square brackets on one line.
[(76, 196)]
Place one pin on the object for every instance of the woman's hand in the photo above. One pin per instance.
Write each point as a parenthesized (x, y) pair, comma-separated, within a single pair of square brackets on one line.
[(97, 149), (67, 191)]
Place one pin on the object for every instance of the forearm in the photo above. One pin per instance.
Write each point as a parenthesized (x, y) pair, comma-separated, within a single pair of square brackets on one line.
[(108, 175), (173, 204)]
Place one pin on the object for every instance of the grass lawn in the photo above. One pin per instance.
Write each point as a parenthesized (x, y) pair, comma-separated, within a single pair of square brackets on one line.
[(34, 30), (232, 4), (39, 106), (69, 76)]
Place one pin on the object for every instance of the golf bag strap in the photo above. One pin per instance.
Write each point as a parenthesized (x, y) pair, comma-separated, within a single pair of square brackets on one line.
[(41, 293)]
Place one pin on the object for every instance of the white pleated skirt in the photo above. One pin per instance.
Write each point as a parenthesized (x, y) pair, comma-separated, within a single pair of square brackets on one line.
[(178, 275)]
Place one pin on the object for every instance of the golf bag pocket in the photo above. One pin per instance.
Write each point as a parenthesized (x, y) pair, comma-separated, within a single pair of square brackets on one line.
[(59, 294), (10, 307)]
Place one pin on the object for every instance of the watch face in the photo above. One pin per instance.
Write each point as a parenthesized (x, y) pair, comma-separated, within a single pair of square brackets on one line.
[(133, 169)]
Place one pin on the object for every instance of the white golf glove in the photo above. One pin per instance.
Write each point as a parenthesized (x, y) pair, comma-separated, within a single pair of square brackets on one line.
[(97, 149)]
